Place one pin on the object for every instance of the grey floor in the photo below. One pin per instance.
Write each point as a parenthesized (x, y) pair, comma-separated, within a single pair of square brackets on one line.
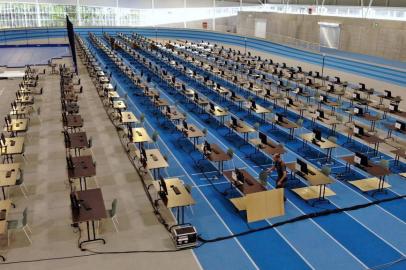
[(48, 199)]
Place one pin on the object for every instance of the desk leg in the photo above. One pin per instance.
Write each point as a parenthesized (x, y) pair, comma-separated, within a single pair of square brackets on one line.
[(89, 238)]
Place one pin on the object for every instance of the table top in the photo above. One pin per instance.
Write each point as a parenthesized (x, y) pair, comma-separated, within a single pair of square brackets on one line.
[(74, 120), (368, 184), (328, 121), (83, 166), (172, 199), (155, 159), (14, 145), (119, 104), (17, 125), (312, 192), (128, 117), (241, 128), (8, 178), (4, 205), (372, 168), (140, 135), (191, 132), (250, 184), (93, 198), (113, 94), (218, 111), (259, 109), (287, 124), (270, 148), (315, 178), (217, 154), (324, 144), (78, 140)]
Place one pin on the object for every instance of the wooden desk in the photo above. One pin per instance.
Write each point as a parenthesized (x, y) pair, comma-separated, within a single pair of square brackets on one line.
[(217, 155), (332, 122), (119, 105), (330, 103), (4, 205), (370, 139), (128, 118), (77, 141), (391, 128), (72, 107), (373, 169), (258, 110), (25, 100), (250, 184), (14, 146), (173, 200), (288, 125), (241, 128), (369, 184), (322, 144), (270, 148), (219, 112), (16, 126), (140, 136), (104, 80), (371, 118), (21, 111), (174, 115), (8, 177), (192, 133), (239, 100), (83, 167), (399, 153), (261, 205), (155, 160), (74, 121), (317, 189), (92, 199)]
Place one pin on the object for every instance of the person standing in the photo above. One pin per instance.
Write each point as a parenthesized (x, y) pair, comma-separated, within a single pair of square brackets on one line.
[(280, 167)]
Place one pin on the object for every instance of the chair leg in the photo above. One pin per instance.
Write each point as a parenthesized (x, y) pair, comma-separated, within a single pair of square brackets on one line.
[(95, 181), (23, 190), (26, 234), (8, 238), (24, 158), (29, 228), (114, 223)]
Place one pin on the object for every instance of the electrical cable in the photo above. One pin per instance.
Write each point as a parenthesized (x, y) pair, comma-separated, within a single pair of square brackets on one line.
[(301, 218)]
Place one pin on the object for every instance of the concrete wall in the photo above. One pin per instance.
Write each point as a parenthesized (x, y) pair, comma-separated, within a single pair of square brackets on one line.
[(367, 36), (227, 24)]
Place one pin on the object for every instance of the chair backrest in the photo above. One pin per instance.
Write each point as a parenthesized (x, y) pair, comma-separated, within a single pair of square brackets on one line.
[(263, 176), (326, 170), (90, 143), (230, 152), (114, 207), (24, 221), (299, 122), (384, 163), (188, 188), (155, 136)]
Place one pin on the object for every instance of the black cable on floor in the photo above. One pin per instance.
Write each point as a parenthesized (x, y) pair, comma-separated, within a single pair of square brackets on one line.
[(301, 218)]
